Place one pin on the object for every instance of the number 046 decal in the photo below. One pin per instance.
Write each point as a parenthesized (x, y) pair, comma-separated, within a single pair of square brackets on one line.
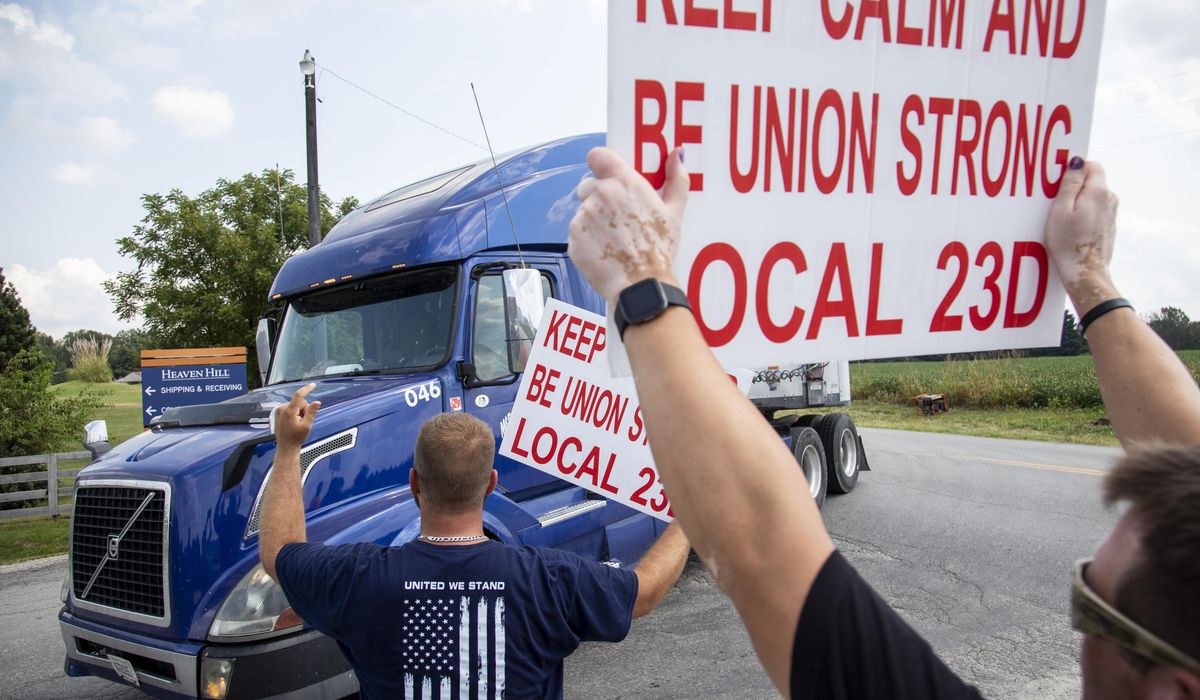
[(424, 392)]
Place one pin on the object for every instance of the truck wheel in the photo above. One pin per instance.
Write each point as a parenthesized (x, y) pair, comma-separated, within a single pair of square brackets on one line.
[(812, 420), (840, 439), (806, 447)]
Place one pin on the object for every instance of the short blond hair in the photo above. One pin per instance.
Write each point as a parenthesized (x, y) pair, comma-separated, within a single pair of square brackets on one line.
[(453, 460)]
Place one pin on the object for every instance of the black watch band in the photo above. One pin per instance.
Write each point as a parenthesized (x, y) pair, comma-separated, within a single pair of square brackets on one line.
[(645, 301)]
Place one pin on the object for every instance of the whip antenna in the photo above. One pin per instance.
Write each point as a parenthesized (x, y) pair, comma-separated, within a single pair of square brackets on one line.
[(496, 169)]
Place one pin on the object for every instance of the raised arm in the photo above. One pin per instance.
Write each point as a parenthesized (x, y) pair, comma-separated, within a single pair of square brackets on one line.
[(660, 568), (1149, 394), (734, 486), (283, 502)]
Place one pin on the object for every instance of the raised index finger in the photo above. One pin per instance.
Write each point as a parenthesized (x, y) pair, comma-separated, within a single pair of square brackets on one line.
[(303, 391)]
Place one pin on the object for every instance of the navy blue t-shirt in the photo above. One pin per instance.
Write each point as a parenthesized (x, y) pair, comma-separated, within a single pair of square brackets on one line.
[(483, 620)]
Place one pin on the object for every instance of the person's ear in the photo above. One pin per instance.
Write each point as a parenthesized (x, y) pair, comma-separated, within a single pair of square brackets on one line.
[(414, 485), (492, 481)]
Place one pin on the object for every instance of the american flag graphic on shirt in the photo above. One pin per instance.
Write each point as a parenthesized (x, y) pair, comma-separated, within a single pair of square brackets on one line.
[(453, 647)]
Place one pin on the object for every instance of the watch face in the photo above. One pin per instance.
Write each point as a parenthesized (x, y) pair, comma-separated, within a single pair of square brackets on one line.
[(643, 301)]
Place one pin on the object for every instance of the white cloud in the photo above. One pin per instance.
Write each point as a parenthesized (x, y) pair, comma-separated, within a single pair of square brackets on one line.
[(104, 134), (196, 112), (165, 14), (25, 25), (72, 173), (1155, 264), (41, 55), (66, 297)]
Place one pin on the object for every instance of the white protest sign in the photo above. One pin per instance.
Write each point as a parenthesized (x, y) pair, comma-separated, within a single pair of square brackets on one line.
[(573, 420), (870, 178)]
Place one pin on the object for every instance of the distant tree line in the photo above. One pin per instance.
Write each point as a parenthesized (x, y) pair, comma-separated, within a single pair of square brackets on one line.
[(1171, 324)]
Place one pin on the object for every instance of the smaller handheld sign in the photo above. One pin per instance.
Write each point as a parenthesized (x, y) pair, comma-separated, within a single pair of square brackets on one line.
[(190, 377), (575, 421)]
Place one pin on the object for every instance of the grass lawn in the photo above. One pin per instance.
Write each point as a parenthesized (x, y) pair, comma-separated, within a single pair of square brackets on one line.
[(32, 538), (123, 413), (1073, 425)]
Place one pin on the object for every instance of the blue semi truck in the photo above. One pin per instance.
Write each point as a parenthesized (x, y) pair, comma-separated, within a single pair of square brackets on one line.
[(401, 312)]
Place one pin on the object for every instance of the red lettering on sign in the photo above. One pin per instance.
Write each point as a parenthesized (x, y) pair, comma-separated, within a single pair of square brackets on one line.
[(876, 325), (948, 14), (541, 385), (1022, 250), (651, 133), (556, 321), (568, 468), (1022, 151), (707, 17), (716, 337), (516, 445), (1004, 20), (785, 250), (837, 266)]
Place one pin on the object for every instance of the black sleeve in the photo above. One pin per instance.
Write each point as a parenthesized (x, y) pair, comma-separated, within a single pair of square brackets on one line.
[(851, 644)]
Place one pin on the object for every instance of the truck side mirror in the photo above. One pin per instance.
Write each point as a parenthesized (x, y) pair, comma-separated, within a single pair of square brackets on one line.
[(524, 302), (95, 438), (264, 339)]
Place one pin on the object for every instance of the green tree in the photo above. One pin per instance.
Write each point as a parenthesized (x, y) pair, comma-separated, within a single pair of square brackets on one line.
[(1072, 340), (32, 419), (57, 353), (204, 264), (16, 332), (1172, 325), (126, 353)]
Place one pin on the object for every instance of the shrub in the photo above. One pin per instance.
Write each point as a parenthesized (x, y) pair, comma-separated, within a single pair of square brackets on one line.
[(89, 359), (32, 420)]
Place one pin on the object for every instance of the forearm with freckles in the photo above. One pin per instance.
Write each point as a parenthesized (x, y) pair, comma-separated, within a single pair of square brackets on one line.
[(734, 486)]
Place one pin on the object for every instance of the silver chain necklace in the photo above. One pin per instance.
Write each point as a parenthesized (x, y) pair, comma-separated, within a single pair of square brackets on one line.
[(457, 538)]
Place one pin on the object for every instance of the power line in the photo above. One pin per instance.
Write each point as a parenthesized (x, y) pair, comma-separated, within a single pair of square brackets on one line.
[(1148, 138), (399, 108), (1148, 109), (1150, 81)]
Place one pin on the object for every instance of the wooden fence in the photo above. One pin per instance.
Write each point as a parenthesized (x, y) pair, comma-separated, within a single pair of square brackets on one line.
[(49, 478)]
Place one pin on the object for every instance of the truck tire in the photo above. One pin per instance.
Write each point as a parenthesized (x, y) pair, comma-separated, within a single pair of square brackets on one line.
[(811, 420), (810, 455), (840, 439)]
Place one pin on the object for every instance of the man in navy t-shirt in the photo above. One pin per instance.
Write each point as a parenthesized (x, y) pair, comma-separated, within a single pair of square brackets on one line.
[(452, 614)]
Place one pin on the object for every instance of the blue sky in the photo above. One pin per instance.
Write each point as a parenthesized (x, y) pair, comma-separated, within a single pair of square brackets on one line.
[(102, 102)]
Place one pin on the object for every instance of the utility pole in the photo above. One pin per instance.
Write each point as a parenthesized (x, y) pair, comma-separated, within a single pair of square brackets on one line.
[(308, 66)]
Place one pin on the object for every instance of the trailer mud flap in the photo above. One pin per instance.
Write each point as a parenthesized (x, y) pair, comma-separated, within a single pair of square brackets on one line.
[(862, 455)]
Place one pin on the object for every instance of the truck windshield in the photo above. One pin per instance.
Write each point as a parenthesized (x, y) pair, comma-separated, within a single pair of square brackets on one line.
[(398, 322)]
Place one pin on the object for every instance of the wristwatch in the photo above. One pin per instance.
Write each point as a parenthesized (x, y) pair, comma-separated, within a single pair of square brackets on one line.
[(645, 301)]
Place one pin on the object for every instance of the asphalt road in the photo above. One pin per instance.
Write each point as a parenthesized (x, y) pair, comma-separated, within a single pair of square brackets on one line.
[(971, 539)]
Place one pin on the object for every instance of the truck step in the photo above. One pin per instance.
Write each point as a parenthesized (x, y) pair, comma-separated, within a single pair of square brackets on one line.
[(572, 511)]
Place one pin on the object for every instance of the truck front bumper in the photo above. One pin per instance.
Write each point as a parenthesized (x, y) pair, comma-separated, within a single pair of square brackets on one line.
[(303, 665)]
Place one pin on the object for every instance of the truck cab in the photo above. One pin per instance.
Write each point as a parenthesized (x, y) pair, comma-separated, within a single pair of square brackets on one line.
[(400, 313)]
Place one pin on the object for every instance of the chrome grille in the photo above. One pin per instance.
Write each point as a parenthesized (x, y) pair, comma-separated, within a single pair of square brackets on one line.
[(308, 457), (118, 547)]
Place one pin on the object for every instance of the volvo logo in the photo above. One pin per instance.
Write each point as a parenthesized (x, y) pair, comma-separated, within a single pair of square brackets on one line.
[(114, 546)]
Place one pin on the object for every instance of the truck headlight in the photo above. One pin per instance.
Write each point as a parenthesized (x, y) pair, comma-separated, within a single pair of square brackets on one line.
[(255, 607)]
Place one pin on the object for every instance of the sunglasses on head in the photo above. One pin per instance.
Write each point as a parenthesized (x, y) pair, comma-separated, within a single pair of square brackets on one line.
[(1090, 614)]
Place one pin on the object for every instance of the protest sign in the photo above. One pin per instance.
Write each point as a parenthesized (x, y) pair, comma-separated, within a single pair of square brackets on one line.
[(870, 178), (573, 420)]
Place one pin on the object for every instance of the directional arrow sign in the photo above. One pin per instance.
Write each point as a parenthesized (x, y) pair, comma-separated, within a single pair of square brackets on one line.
[(170, 386)]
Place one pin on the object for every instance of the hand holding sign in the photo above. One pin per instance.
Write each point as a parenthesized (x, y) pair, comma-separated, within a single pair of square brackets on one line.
[(615, 250), (1080, 232)]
